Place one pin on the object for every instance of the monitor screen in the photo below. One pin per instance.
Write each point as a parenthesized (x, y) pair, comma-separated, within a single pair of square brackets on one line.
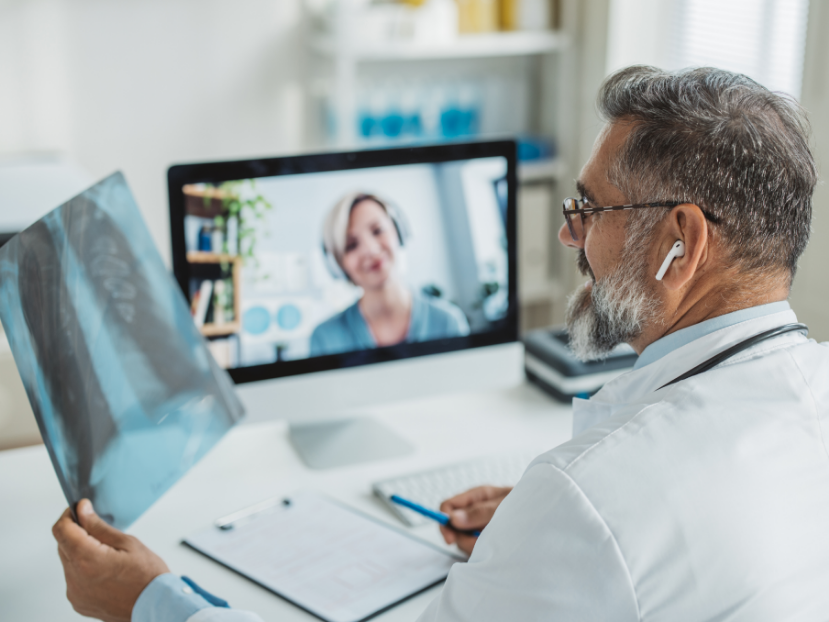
[(309, 263)]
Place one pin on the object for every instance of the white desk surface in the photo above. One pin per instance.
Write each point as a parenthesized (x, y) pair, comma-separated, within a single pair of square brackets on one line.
[(252, 463)]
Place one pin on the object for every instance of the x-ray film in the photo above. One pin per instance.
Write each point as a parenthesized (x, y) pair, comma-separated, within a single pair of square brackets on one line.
[(126, 394)]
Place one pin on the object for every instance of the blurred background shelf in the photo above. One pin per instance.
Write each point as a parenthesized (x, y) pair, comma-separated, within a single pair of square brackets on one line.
[(221, 330), (208, 257), (220, 266), (485, 45)]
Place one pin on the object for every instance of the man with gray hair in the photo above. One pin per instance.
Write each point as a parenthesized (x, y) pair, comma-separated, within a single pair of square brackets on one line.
[(696, 486)]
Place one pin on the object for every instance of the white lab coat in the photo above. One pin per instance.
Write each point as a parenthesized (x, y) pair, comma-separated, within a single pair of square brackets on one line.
[(706, 500)]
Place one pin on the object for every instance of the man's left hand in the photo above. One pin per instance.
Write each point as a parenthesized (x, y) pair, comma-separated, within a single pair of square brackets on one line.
[(106, 570), (472, 509)]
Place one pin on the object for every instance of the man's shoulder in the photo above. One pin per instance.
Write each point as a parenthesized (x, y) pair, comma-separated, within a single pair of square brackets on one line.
[(740, 399), (598, 443), (727, 472)]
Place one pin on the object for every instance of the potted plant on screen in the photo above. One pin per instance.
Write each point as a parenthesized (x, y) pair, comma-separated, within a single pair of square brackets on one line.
[(241, 206)]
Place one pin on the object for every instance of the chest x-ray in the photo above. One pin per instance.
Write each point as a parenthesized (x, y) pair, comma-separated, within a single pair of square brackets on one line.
[(126, 394)]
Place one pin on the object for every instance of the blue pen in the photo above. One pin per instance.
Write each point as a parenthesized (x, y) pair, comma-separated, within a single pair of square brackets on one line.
[(440, 517)]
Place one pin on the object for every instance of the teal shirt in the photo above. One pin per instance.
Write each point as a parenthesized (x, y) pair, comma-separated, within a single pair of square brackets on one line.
[(347, 331)]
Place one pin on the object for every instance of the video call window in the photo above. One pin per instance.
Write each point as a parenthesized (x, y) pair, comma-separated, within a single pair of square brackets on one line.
[(280, 267)]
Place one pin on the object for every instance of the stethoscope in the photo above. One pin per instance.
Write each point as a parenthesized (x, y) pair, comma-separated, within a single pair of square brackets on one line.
[(736, 349)]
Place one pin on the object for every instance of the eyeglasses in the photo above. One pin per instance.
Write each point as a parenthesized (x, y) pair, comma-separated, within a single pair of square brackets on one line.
[(575, 207)]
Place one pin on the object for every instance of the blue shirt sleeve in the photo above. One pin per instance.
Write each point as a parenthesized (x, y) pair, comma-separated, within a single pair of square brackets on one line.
[(167, 599)]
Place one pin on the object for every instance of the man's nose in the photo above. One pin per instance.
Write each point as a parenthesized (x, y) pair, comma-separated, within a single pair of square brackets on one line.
[(565, 238)]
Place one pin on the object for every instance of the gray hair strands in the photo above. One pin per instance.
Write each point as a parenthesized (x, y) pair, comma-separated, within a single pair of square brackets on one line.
[(725, 143)]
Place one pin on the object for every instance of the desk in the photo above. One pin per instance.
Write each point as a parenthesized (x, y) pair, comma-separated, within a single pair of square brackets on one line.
[(252, 463)]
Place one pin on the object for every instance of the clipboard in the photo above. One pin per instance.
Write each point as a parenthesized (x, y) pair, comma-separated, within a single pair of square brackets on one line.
[(324, 557)]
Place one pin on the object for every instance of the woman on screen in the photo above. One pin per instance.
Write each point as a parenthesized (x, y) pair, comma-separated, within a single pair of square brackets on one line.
[(362, 239)]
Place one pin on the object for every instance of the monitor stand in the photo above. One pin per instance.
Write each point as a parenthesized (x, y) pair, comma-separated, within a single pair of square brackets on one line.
[(328, 444)]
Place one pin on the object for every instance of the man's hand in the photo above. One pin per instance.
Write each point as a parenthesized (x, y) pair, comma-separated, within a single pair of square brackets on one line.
[(106, 570), (471, 510)]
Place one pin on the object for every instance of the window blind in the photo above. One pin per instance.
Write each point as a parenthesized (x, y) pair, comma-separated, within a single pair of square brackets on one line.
[(764, 39)]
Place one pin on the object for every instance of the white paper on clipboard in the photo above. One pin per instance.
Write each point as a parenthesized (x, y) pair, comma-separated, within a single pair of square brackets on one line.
[(332, 561)]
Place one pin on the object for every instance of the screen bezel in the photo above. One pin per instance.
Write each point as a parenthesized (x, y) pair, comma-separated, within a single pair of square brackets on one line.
[(504, 331)]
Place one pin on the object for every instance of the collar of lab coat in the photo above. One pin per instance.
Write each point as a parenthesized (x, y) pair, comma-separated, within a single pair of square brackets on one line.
[(639, 387)]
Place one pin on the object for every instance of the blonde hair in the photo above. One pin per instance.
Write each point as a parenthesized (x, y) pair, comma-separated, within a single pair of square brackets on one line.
[(335, 227)]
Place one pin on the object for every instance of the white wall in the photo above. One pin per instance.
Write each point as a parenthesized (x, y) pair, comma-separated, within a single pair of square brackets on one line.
[(638, 33), (138, 85), (763, 40)]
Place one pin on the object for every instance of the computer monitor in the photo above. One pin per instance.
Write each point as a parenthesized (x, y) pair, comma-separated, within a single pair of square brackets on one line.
[(328, 282)]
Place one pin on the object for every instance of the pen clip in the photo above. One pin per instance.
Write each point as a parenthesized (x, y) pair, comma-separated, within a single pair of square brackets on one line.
[(226, 523)]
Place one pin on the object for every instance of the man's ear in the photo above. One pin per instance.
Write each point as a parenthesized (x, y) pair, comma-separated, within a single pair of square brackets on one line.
[(685, 222)]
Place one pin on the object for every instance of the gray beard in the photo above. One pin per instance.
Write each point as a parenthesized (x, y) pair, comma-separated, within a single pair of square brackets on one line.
[(615, 310)]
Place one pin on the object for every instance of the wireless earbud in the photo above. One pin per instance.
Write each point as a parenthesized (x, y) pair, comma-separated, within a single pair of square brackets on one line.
[(677, 250)]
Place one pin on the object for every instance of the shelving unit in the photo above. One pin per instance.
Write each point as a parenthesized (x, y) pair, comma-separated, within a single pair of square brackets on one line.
[(487, 45), (208, 202), (221, 330), (203, 202), (347, 53), (228, 328)]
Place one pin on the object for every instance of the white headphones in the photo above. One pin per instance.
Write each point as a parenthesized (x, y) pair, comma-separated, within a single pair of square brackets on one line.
[(677, 250)]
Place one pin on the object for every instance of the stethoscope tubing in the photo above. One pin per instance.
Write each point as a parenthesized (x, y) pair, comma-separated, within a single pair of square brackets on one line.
[(737, 348)]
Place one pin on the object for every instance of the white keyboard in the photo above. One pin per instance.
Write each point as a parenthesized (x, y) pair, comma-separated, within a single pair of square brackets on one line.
[(431, 488)]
